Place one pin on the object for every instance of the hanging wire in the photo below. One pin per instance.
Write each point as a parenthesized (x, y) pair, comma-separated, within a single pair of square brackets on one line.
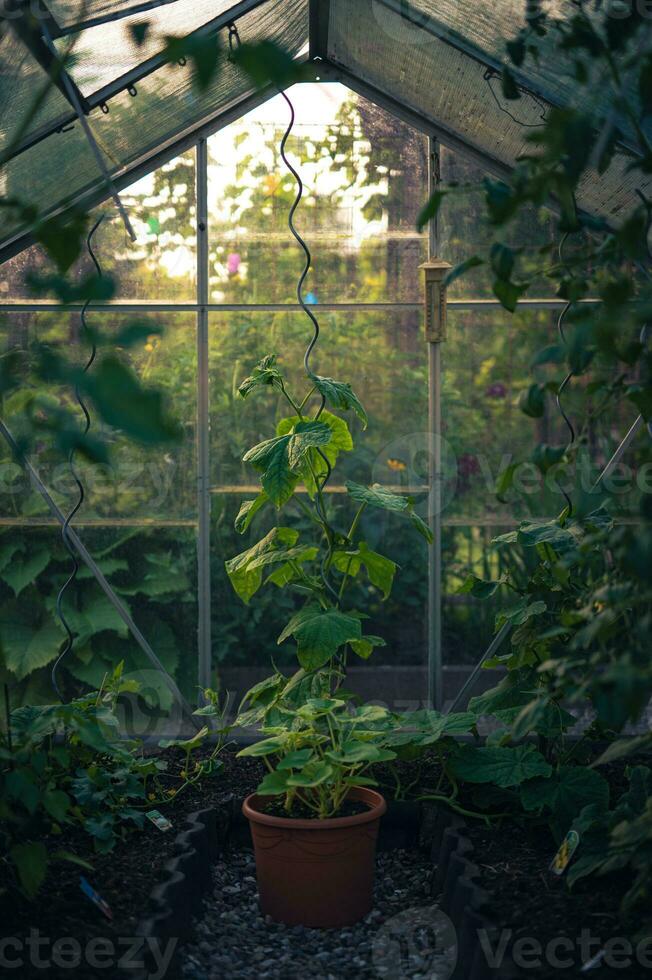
[(491, 74), (65, 536)]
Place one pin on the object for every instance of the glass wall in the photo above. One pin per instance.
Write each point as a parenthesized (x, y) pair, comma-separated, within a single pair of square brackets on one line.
[(365, 176)]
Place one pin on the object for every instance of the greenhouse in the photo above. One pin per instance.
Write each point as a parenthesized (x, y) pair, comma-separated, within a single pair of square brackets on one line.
[(325, 489)]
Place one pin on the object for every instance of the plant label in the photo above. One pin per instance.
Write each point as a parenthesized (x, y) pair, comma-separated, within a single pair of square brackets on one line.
[(159, 820), (594, 962), (96, 899), (565, 854)]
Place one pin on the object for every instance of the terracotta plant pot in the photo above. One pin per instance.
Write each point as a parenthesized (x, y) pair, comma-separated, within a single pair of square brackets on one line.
[(316, 873)]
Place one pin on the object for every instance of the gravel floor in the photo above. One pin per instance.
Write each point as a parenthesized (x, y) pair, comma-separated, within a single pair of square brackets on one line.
[(233, 941)]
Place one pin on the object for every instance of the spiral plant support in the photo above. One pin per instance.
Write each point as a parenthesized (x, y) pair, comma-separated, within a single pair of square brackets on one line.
[(65, 529), (314, 340)]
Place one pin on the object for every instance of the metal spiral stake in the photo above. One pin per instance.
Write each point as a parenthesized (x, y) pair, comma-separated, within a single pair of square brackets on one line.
[(65, 530), (315, 337)]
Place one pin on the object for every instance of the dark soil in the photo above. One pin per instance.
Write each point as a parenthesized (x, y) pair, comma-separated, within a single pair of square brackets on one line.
[(514, 862), (300, 811), (533, 904), (124, 878)]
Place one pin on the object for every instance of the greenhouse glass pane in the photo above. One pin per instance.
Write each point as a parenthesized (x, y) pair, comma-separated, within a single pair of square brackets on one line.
[(68, 13), (448, 87), (142, 485), (487, 362), (152, 571), (464, 231), (108, 51), (390, 377), (365, 176), (22, 83), (159, 265), (62, 168)]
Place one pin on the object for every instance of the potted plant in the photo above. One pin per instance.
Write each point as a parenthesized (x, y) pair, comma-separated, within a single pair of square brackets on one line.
[(315, 818), (315, 851)]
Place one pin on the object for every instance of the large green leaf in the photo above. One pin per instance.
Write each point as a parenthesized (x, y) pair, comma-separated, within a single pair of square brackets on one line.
[(378, 496), (381, 570), (366, 645), (566, 792), (271, 458), (162, 576), (306, 436), (22, 571), (7, 551), (514, 691), (108, 566), (320, 634), (532, 533), (313, 465), (245, 571), (31, 862), (313, 774), (123, 402), (265, 375), (520, 612), (479, 588), (266, 746), (248, 511), (504, 767), (288, 572), (340, 395), (281, 459), (25, 643), (96, 615)]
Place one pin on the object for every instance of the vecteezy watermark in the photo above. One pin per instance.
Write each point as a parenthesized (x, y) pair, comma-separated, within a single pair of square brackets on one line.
[(407, 465), (419, 941), (565, 952), (99, 953)]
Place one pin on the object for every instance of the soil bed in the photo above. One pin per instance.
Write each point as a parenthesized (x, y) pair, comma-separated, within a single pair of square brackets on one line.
[(533, 904), (513, 862), (124, 877), (276, 808)]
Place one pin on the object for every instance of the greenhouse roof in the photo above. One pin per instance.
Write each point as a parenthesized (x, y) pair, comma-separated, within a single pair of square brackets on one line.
[(435, 63)]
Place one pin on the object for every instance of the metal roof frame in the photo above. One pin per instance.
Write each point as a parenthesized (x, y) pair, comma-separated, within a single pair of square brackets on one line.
[(324, 69), (24, 26), (129, 79), (143, 166)]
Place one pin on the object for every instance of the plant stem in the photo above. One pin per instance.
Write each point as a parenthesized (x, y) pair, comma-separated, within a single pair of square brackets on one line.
[(8, 718), (352, 530)]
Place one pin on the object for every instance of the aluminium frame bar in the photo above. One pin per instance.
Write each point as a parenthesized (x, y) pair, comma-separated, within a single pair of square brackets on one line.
[(36, 43), (203, 424), (506, 629), (95, 571), (434, 642), (151, 306), (102, 165), (319, 15)]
